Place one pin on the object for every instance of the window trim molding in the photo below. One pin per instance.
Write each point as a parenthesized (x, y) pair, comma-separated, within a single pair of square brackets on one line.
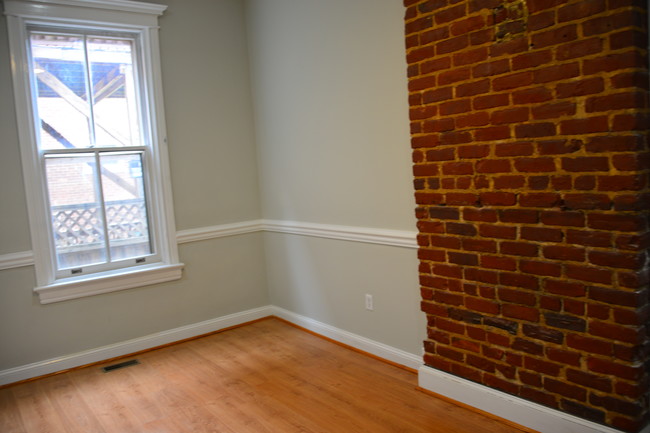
[(118, 14)]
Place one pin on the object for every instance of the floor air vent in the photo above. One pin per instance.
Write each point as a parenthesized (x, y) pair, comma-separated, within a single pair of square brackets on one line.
[(120, 365)]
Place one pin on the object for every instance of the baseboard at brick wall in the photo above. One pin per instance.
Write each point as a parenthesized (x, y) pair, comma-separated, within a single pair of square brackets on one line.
[(100, 354), (375, 348), (506, 406)]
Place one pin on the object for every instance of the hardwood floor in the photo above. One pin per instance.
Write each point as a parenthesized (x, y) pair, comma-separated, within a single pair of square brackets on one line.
[(267, 376)]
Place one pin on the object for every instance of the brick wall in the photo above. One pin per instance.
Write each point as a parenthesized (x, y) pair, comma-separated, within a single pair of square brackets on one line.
[(529, 124)]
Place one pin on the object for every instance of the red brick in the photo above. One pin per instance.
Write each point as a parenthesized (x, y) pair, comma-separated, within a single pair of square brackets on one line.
[(452, 45), (587, 201), (541, 20), (556, 73), (512, 46), (512, 81), (486, 246), (495, 231), (527, 346), (551, 303), (457, 168), (498, 198), (492, 133), (579, 48), (422, 83), (461, 229), (589, 238), (482, 305), (454, 107), (467, 25), (490, 101), (509, 182), (540, 268), (616, 222), (558, 252), (518, 249), (532, 59), (554, 110), (447, 154), (531, 130), (558, 147), (582, 87), (616, 259), (612, 62), (520, 312), (539, 199), (603, 366), (437, 95), (582, 9), (531, 95), (616, 101), (608, 23), (630, 79), (419, 24), (461, 199), (519, 280), (470, 57), (615, 332), (544, 367), (565, 389), (563, 218), (493, 166), (621, 183), (435, 65), (590, 274), (517, 296), (511, 115), (588, 344), (453, 76), (474, 151), (449, 14), (563, 356), (586, 125), (541, 234)]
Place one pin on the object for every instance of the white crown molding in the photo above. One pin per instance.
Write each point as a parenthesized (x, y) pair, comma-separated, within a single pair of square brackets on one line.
[(395, 238), (358, 342), (509, 407), (99, 354)]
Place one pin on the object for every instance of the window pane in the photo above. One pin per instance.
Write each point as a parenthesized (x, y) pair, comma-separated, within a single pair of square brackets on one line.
[(58, 63), (76, 211), (126, 211), (114, 94)]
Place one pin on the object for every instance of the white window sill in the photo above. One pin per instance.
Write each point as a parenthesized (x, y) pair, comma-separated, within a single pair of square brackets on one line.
[(106, 282)]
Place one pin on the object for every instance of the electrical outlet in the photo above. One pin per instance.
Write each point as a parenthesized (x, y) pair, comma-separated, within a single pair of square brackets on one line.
[(369, 305)]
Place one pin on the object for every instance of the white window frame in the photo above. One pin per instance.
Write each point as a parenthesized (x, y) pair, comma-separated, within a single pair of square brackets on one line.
[(118, 15)]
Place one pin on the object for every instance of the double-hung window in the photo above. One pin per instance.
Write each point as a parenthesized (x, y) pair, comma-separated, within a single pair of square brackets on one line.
[(91, 129)]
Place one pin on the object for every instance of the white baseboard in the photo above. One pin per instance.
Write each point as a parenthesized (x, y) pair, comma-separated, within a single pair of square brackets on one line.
[(358, 342), (515, 409), (131, 346)]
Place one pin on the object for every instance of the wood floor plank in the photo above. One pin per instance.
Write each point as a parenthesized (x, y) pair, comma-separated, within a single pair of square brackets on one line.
[(266, 377)]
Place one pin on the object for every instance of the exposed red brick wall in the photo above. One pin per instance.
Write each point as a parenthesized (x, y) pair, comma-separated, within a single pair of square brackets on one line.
[(529, 122)]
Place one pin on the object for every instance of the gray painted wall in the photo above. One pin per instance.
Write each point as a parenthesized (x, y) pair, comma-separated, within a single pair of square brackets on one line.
[(330, 92), (326, 141), (213, 164)]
